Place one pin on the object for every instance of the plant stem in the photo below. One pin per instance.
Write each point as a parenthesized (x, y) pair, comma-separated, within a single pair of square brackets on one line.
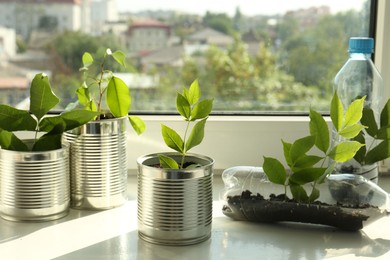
[(36, 136), (184, 144), (315, 182), (285, 192), (101, 91)]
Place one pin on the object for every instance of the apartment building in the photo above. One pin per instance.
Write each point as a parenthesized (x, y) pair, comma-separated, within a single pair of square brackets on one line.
[(146, 35), (26, 16)]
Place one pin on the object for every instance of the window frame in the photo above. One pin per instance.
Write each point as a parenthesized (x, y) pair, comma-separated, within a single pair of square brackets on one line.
[(233, 140)]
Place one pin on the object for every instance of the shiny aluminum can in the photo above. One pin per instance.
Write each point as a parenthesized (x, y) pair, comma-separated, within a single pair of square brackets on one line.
[(98, 161), (34, 186), (175, 206)]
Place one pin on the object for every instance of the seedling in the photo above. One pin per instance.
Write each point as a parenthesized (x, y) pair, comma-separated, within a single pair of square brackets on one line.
[(193, 111), (379, 148), (42, 100), (308, 168), (109, 87)]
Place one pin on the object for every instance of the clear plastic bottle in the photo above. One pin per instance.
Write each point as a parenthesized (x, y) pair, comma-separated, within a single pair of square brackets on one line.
[(357, 78)]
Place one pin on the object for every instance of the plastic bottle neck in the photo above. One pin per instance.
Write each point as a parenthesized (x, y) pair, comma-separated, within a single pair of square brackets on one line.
[(360, 56)]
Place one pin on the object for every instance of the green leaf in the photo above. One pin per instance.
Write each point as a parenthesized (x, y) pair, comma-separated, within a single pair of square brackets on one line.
[(319, 129), (91, 106), (306, 161), (385, 115), (345, 151), (328, 171), (378, 153), (42, 98), (83, 96), (9, 141), (193, 166), (52, 123), (306, 175), (354, 112), (202, 109), (87, 59), (315, 194), (360, 155), (120, 57), (77, 117), (274, 170), (172, 139), (351, 131), (196, 136), (300, 147), (48, 142), (299, 193), (118, 97), (336, 112), (186, 93), (138, 124), (12, 119), (193, 92), (67, 120), (183, 107), (286, 151), (383, 133), (368, 119), (167, 162)]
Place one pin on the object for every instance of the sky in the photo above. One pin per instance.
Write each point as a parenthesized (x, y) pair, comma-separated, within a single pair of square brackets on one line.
[(247, 7)]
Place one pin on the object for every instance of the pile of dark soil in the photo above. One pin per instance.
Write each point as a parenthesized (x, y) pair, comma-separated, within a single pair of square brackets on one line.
[(256, 208)]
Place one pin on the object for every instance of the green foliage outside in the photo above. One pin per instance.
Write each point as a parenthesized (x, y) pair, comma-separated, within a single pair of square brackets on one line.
[(309, 168), (291, 70)]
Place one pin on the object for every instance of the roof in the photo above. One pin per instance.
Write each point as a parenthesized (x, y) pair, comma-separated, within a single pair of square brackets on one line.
[(138, 80), (14, 83), (148, 23), (210, 36), (43, 1), (169, 55)]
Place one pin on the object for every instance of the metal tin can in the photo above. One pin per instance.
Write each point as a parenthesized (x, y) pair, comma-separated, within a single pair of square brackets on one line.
[(98, 163), (175, 206), (34, 186)]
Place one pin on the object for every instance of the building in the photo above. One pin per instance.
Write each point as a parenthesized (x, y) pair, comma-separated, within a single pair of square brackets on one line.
[(147, 35), (309, 16), (172, 56), (7, 44), (26, 16), (207, 37), (102, 12)]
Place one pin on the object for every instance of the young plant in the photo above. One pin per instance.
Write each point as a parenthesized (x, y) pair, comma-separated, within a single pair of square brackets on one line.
[(193, 110), (379, 148), (42, 100), (107, 86), (310, 169)]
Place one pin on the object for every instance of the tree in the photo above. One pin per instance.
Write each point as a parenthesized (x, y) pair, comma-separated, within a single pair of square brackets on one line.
[(48, 23), (69, 47), (219, 22), (237, 20), (315, 55)]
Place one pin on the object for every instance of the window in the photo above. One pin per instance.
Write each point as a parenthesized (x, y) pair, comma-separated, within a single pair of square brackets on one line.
[(252, 57), (270, 59)]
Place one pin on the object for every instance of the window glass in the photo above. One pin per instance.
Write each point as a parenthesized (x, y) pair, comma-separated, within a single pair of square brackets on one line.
[(252, 56)]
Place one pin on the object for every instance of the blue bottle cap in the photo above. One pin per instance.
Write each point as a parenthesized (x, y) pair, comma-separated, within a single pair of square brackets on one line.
[(361, 45)]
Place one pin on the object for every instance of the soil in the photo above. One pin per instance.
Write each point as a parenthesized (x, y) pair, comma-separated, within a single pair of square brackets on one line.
[(185, 165), (256, 208)]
